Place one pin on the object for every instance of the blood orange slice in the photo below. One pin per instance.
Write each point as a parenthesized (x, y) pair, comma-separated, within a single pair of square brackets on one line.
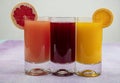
[(104, 16), (21, 12)]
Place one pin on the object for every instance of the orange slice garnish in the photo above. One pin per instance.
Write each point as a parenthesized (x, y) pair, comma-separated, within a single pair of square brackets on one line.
[(104, 16)]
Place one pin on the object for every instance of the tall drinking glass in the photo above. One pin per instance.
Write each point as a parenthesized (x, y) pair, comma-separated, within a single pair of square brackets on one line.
[(37, 46), (62, 46), (88, 47)]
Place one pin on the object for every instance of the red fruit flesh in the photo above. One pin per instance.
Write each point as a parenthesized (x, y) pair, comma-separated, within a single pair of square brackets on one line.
[(21, 12)]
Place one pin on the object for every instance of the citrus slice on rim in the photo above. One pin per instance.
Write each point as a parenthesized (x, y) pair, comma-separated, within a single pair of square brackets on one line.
[(21, 12), (104, 16)]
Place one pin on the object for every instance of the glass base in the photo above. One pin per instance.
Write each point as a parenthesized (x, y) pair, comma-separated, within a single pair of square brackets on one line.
[(88, 70), (58, 69), (36, 69)]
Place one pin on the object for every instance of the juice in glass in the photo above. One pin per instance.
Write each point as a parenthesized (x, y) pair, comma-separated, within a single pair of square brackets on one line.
[(62, 45), (89, 47), (37, 46)]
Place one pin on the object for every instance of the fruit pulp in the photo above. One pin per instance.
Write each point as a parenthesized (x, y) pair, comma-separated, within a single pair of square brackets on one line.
[(104, 16), (37, 41), (62, 42), (21, 12), (89, 42)]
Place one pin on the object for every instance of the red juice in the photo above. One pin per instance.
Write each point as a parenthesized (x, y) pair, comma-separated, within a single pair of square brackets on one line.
[(62, 42)]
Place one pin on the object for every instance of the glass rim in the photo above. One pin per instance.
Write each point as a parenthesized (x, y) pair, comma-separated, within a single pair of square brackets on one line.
[(84, 19), (43, 18), (62, 19), (39, 18)]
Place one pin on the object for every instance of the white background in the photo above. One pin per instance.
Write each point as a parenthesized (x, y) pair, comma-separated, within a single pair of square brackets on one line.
[(81, 8)]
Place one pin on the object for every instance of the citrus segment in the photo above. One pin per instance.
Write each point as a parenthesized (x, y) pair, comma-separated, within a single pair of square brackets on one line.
[(21, 12), (104, 16)]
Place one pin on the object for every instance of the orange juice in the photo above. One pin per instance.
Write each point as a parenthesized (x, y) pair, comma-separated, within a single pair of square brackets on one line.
[(89, 42), (37, 41)]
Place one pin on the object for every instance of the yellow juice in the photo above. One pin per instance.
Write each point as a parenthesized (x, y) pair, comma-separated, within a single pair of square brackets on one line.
[(89, 42)]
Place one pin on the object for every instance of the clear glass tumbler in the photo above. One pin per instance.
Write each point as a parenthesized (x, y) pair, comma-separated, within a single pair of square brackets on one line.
[(62, 46), (88, 47), (37, 46)]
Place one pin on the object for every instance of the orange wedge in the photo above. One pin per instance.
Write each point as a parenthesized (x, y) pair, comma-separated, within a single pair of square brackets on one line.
[(104, 16)]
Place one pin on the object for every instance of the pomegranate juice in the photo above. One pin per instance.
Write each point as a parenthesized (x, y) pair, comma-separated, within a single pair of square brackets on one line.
[(62, 42)]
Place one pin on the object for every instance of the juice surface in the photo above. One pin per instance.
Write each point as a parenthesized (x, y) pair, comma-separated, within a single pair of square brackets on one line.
[(37, 41), (89, 42), (62, 42)]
